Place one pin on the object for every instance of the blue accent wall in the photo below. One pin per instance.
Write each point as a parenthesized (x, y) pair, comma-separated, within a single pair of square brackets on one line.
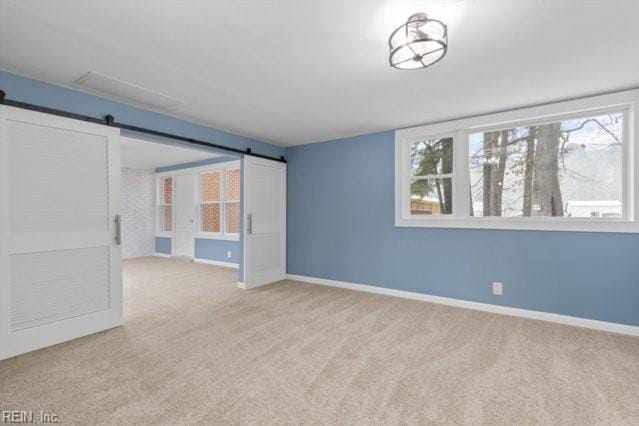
[(163, 245), (217, 250), (341, 227), (205, 248)]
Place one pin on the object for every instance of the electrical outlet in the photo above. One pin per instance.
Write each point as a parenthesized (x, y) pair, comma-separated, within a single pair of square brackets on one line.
[(498, 289), (228, 254)]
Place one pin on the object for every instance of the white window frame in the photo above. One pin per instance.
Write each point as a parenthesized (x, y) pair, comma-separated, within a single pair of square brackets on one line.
[(200, 202), (198, 172), (159, 202), (223, 234), (626, 102), (226, 200)]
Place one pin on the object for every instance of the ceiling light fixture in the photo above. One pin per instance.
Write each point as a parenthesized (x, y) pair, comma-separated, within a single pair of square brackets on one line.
[(419, 43)]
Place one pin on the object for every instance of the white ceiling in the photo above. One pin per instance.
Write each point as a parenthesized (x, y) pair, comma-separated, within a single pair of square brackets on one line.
[(292, 72), (140, 154)]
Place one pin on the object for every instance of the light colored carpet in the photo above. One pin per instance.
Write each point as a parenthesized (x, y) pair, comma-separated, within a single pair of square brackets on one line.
[(195, 349)]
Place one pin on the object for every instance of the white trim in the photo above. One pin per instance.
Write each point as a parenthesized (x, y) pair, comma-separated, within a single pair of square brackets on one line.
[(484, 307), (161, 254), (217, 263), (217, 236), (241, 285), (626, 102)]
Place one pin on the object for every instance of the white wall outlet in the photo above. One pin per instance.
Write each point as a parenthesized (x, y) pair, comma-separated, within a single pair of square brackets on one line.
[(498, 289), (228, 254)]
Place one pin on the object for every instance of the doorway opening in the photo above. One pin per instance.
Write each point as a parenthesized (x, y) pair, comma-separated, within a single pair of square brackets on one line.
[(180, 202)]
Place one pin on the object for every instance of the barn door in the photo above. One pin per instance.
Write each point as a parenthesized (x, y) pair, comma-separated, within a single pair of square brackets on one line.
[(265, 221), (60, 259)]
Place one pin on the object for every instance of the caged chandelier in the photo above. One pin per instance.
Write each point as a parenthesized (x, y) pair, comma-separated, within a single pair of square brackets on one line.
[(419, 43)]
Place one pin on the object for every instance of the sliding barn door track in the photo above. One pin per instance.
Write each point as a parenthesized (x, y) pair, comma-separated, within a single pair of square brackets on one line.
[(109, 120)]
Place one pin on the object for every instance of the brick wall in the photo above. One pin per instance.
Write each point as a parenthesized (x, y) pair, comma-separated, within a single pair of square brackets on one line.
[(137, 209)]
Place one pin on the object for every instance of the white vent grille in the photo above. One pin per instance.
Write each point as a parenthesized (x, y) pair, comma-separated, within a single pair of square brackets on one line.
[(126, 92)]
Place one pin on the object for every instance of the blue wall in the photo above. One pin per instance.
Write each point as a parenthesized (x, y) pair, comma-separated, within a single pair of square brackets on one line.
[(341, 226), (163, 245), (205, 248), (217, 250)]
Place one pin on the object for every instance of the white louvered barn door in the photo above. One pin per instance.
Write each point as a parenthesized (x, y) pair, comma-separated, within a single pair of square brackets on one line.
[(60, 265)]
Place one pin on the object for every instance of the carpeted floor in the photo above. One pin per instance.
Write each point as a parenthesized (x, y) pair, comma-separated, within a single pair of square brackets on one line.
[(196, 349)]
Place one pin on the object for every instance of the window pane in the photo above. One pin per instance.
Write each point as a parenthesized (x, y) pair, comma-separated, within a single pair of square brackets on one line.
[(233, 217), (167, 190), (166, 218), (233, 184), (570, 168), (432, 157), (211, 187), (431, 196), (210, 217)]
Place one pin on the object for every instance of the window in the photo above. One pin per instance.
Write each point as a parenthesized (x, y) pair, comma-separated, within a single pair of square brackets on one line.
[(165, 205), (210, 205), (431, 185), (551, 169), (566, 166), (220, 202), (233, 201)]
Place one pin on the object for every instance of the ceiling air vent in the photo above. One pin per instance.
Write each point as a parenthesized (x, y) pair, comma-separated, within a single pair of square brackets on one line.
[(101, 84)]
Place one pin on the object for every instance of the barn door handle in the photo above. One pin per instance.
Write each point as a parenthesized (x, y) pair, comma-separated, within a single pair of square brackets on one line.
[(249, 223), (118, 229)]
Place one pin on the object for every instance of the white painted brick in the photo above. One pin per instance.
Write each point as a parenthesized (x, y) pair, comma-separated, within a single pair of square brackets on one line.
[(137, 208)]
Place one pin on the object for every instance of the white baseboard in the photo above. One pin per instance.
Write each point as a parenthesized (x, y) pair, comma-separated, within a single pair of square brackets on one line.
[(217, 263), (486, 307), (241, 285), (161, 254)]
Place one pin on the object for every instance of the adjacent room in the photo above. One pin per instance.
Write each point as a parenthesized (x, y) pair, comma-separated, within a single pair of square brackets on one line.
[(277, 212), (179, 202)]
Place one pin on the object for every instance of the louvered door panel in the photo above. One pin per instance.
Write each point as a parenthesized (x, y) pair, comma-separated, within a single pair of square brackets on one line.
[(60, 271), (51, 286)]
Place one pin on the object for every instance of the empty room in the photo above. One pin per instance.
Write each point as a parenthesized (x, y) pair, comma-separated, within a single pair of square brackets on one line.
[(319, 212)]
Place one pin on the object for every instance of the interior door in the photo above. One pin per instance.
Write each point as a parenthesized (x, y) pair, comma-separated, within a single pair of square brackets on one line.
[(265, 221), (60, 261), (184, 202)]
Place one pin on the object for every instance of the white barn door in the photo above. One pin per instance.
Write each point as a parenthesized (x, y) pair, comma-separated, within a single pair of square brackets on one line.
[(60, 263), (265, 221)]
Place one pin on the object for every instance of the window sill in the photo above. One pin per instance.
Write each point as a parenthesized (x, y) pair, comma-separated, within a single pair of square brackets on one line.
[(163, 235), (529, 224), (211, 236)]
